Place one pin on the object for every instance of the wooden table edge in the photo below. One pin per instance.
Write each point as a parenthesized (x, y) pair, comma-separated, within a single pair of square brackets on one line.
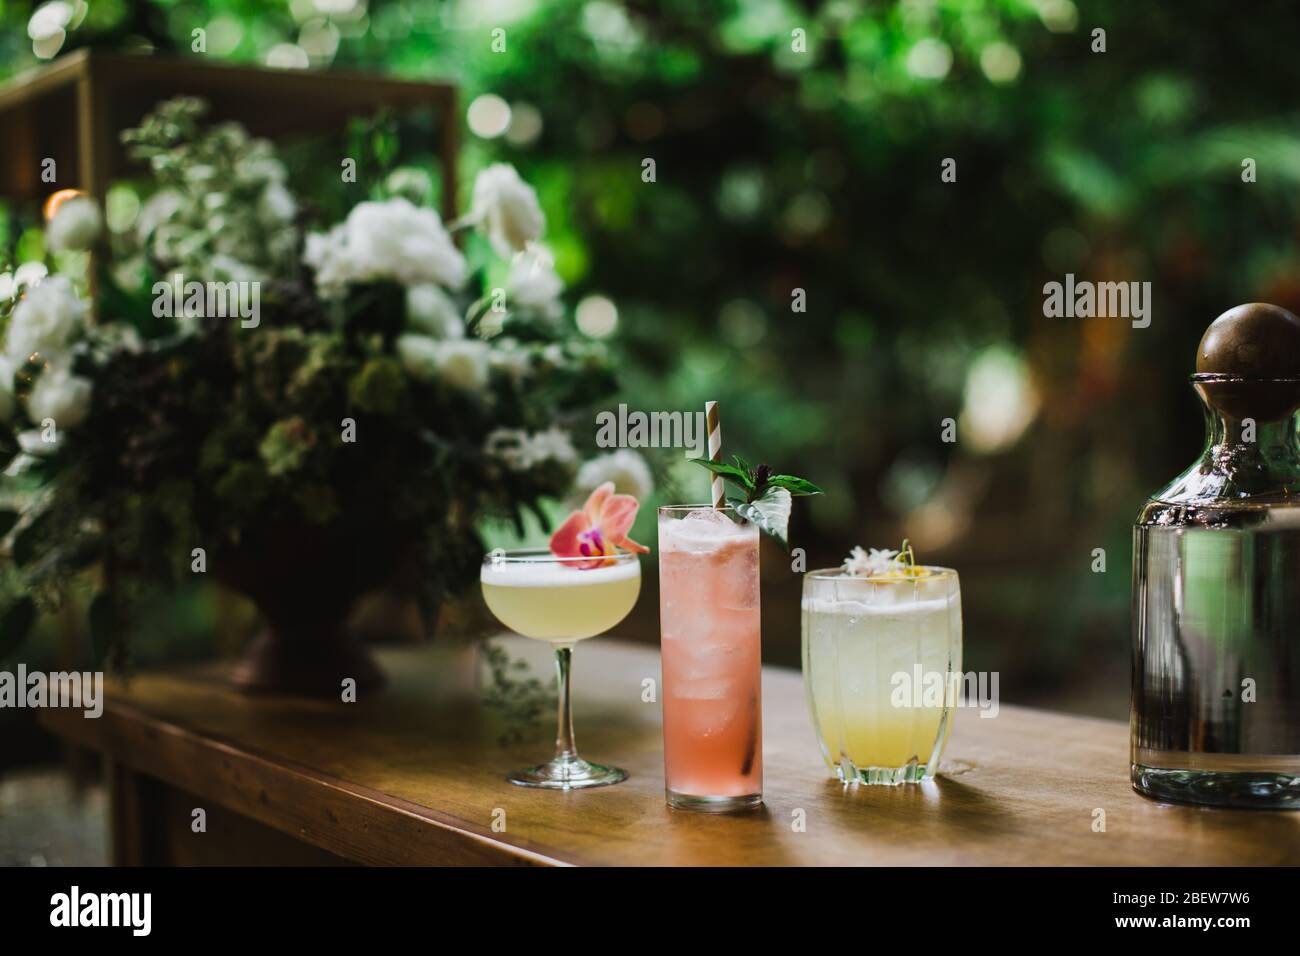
[(426, 836)]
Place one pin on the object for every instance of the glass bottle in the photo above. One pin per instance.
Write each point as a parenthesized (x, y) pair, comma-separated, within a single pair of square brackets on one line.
[(1215, 715)]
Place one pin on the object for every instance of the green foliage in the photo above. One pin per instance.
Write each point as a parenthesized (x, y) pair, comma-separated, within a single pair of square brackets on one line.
[(16, 620), (521, 701), (377, 386)]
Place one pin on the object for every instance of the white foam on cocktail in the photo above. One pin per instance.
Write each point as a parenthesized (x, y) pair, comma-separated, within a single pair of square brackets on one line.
[(702, 531), (900, 607), (551, 574)]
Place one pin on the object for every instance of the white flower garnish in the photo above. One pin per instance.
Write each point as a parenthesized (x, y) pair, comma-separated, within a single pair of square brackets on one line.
[(879, 561)]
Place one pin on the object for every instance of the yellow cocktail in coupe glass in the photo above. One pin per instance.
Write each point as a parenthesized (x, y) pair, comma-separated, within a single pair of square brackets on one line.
[(561, 600), (881, 661)]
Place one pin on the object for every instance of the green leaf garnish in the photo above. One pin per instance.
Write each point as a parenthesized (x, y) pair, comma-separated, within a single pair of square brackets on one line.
[(766, 499), (796, 486), (736, 475)]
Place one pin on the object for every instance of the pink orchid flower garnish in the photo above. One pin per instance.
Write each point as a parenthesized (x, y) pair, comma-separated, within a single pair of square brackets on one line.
[(599, 529)]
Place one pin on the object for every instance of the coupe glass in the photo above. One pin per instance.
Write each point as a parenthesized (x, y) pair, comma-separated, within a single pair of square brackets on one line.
[(562, 601)]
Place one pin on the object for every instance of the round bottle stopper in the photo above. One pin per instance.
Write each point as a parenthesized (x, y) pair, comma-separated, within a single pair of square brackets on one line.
[(1255, 340), (1256, 347)]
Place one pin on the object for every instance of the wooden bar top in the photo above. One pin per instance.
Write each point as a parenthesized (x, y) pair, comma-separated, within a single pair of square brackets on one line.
[(398, 779)]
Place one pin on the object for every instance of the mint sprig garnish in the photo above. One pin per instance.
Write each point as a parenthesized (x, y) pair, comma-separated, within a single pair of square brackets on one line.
[(764, 497)]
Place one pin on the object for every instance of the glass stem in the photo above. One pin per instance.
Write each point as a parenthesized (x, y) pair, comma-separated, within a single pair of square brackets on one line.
[(565, 749)]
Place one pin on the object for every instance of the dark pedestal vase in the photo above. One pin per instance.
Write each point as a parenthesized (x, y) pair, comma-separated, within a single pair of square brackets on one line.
[(305, 583)]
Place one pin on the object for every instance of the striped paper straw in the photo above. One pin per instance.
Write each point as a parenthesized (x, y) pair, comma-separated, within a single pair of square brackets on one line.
[(713, 422)]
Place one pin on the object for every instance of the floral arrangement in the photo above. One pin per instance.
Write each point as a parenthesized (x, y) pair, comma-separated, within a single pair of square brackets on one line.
[(372, 402)]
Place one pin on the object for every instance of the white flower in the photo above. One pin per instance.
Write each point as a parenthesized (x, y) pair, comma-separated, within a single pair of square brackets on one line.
[(385, 240), (419, 355), (47, 320), (520, 451), (174, 243), (30, 273), (627, 469), (326, 252), (506, 208), (50, 20), (554, 444), (225, 268), (490, 324), (59, 395), (510, 358), (75, 226), (199, 174), (410, 182), (430, 310), (277, 206), (879, 561), (462, 363), (7, 369), (158, 209), (533, 282), (117, 337), (506, 444), (8, 287), (260, 164), (33, 443)]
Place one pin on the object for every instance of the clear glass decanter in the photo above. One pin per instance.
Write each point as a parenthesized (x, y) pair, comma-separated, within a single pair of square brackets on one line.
[(1216, 593)]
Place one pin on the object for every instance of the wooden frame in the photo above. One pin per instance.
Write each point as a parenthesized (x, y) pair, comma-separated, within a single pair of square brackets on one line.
[(71, 110)]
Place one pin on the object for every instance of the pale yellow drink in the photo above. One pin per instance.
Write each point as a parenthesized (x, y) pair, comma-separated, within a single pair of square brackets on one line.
[(557, 602), (882, 664)]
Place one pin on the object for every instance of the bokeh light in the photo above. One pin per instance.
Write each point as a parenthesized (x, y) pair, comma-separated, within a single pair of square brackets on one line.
[(288, 56), (597, 316), (1000, 62), (525, 124), (1000, 400), (488, 116), (930, 59)]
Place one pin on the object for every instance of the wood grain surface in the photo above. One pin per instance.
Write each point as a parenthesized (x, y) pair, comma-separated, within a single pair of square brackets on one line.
[(407, 778)]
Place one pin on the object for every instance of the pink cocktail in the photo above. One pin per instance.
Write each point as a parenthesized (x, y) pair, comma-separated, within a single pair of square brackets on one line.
[(709, 630)]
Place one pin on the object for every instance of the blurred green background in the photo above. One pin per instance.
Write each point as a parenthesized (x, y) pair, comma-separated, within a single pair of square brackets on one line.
[(798, 146)]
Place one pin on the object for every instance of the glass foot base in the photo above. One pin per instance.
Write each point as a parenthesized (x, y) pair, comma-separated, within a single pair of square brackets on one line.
[(567, 773), (1260, 791), (849, 772), (688, 801)]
